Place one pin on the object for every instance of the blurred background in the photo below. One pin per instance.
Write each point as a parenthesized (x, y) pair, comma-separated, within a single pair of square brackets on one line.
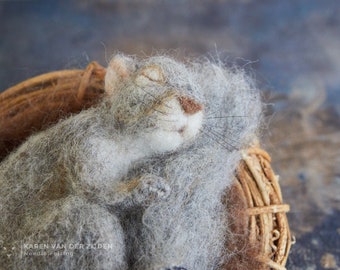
[(291, 48)]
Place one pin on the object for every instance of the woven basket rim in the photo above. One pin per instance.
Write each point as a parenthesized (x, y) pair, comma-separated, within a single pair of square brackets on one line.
[(266, 211)]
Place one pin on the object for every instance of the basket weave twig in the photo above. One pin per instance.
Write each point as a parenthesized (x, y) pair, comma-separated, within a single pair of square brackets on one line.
[(40, 101), (255, 206), (258, 214)]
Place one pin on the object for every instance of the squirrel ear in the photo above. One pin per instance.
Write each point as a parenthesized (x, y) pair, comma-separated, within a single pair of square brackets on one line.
[(119, 68), (152, 73)]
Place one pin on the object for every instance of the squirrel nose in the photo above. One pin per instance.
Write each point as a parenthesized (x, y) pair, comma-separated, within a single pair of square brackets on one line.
[(189, 105)]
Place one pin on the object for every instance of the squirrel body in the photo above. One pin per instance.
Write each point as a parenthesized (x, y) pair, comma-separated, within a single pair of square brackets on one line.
[(138, 179)]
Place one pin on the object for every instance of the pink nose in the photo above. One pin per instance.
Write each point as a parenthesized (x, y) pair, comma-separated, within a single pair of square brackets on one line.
[(189, 105)]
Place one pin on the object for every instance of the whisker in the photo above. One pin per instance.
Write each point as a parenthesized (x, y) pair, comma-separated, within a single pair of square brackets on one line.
[(215, 111), (215, 140), (227, 133), (225, 145), (231, 139), (223, 138), (220, 139), (146, 105), (155, 98), (161, 112)]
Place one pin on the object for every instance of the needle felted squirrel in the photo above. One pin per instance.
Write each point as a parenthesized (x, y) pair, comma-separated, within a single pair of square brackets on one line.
[(56, 187), (145, 171)]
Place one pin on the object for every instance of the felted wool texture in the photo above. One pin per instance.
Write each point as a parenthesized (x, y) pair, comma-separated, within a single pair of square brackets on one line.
[(136, 171), (189, 228)]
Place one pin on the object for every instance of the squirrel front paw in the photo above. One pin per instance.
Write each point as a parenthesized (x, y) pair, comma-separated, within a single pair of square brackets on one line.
[(150, 189)]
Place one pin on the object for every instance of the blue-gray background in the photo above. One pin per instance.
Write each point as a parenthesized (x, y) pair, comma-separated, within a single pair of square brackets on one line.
[(291, 47)]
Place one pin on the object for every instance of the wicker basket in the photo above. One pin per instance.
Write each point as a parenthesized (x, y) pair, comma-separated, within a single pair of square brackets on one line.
[(257, 214)]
